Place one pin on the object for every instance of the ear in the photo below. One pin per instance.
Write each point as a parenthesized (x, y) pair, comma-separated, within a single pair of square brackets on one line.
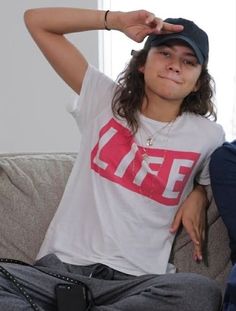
[(141, 69)]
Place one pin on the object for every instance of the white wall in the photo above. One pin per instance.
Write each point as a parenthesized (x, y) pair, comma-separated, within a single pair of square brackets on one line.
[(33, 99)]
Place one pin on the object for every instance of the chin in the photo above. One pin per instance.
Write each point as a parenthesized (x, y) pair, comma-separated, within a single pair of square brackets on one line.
[(170, 96)]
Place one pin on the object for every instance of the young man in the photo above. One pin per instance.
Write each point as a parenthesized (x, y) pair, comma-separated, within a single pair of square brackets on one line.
[(223, 180), (145, 143)]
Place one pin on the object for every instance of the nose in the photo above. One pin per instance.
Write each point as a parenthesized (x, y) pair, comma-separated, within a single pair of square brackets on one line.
[(175, 66)]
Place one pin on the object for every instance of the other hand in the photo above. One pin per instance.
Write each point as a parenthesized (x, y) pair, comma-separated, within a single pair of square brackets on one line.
[(192, 214), (139, 24)]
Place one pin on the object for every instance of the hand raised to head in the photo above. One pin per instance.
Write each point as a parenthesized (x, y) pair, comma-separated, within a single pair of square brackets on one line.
[(139, 24)]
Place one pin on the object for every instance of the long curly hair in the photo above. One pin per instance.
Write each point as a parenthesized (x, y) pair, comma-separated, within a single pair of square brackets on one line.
[(130, 93)]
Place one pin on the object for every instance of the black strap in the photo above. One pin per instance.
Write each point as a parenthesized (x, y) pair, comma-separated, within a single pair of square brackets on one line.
[(20, 287)]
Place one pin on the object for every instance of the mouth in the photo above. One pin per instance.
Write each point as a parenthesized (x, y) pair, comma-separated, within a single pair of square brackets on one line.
[(171, 78)]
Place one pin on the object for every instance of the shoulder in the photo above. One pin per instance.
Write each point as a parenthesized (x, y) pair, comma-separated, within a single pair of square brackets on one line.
[(204, 123), (204, 128), (95, 76), (97, 88)]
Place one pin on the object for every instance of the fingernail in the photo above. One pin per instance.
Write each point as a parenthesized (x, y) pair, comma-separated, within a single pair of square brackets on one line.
[(198, 258)]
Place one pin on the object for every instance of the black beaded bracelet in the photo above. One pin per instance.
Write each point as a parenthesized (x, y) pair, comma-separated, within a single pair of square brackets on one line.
[(105, 20)]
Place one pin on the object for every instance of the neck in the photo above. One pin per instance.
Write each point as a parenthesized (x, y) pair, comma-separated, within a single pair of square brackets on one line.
[(161, 110)]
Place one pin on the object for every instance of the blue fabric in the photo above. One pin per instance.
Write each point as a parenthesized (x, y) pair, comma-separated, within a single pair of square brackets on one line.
[(223, 182), (230, 294)]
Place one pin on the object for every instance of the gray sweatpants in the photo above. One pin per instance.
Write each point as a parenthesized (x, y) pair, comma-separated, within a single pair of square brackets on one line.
[(112, 290)]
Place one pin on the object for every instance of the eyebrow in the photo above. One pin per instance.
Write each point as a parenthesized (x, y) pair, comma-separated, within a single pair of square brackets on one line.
[(172, 46)]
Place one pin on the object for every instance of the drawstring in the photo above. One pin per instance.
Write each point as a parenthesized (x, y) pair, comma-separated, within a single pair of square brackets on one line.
[(101, 271), (20, 287)]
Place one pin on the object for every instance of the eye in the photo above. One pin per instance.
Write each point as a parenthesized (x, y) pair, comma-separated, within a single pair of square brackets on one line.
[(165, 53), (189, 62)]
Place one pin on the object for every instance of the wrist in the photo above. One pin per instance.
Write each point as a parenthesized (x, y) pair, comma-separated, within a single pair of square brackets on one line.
[(105, 20), (202, 195), (112, 20)]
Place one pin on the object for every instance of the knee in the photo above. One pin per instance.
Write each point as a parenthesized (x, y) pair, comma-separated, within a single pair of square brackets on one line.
[(200, 293)]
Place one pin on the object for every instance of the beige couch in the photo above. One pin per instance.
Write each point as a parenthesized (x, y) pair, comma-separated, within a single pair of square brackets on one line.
[(31, 186)]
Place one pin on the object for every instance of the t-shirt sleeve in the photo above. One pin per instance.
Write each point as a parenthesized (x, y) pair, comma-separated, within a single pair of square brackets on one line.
[(96, 95), (203, 177)]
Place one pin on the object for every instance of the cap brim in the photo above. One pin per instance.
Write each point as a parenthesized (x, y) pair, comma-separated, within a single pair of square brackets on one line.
[(158, 41)]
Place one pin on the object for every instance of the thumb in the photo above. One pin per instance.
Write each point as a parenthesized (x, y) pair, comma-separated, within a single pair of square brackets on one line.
[(177, 221)]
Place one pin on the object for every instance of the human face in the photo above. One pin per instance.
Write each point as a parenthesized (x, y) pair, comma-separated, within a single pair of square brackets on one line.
[(171, 72)]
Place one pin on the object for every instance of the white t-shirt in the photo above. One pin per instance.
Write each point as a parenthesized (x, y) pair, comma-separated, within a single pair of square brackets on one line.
[(122, 195)]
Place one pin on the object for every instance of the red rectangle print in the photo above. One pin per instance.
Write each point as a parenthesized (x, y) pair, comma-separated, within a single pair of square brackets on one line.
[(160, 175)]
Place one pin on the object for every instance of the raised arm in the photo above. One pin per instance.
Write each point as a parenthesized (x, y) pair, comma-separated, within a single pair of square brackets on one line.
[(49, 25)]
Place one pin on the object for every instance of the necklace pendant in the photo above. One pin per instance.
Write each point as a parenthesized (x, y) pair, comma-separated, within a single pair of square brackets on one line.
[(149, 141), (145, 157)]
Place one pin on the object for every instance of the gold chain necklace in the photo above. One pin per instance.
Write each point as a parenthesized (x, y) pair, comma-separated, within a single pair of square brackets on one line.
[(152, 136), (146, 160)]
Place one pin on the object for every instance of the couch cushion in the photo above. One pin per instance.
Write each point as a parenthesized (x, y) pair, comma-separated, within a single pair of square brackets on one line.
[(31, 186), (216, 263)]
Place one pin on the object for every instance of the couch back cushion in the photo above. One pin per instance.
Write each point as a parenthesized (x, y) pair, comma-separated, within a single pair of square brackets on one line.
[(31, 187), (216, 263)]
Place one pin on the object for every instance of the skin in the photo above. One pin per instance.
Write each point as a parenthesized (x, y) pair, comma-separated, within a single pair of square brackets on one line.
[(192, 215), (171, 72), (48, 27)]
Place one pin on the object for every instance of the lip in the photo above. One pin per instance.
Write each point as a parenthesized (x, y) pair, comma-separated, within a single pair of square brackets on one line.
[(171, 78)]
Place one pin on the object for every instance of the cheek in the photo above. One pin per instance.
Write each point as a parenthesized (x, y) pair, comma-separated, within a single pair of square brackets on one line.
[(194, 82), (195, 86), (148, 69)]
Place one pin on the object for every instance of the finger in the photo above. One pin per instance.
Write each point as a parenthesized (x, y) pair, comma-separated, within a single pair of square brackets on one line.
[(158, 24), (150, 18), (197, 253), (203, 227), (168, 28), (192, 231), (198, 246), (143, 33), (177, 221), (155, 23), (203, 235)]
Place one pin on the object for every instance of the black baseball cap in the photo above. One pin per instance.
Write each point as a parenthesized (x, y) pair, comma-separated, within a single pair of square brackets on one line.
[(194, 36)]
